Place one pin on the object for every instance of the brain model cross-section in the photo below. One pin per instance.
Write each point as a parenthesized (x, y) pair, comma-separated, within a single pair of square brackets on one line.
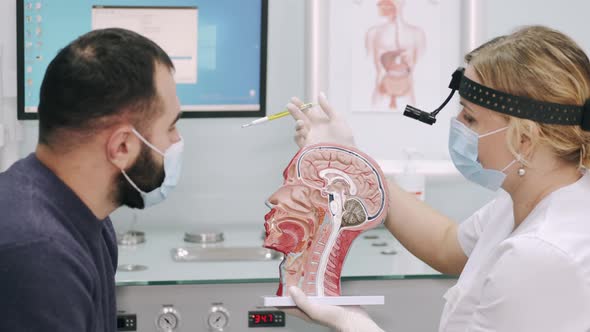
[(330, 195)]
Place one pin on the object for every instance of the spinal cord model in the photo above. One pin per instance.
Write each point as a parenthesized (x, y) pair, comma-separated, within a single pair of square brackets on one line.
[(329, 196)]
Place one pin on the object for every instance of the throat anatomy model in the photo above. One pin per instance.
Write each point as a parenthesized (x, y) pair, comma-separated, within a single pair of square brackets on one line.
[(329, 196)]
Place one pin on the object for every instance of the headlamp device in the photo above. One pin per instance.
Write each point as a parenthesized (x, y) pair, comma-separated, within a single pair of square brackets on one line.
[(430, 118), (517, 106)]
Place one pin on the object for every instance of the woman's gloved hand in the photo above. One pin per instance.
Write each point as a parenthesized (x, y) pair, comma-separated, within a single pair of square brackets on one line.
[(341, 319), (319, 124)]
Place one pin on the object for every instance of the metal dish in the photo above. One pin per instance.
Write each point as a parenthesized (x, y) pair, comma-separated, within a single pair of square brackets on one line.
[(131, 238), (195, 254), (131, 268), (203, 237)]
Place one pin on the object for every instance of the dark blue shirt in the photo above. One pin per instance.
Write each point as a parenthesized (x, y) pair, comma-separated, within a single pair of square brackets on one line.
[(57, 260)]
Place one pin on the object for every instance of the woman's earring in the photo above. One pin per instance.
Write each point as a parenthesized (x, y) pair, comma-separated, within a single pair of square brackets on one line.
[(521, 170)]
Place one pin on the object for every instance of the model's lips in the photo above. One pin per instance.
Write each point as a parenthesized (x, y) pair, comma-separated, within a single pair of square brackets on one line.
[(266, 228), (269, 215), (267, 218)]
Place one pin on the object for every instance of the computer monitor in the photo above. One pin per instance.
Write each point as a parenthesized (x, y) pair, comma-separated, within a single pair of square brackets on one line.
[(218, 47)]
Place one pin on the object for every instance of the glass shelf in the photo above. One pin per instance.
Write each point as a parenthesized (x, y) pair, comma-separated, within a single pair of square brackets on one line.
[(374, 255)]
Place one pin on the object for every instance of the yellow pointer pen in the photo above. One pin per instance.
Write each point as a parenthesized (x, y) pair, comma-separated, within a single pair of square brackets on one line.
[(275, 116)]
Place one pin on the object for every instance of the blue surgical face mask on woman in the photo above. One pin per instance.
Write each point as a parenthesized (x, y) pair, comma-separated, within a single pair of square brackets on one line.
[(463, 147), (172, 167)]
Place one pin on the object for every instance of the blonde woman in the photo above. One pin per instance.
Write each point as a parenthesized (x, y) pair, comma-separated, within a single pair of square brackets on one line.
[(524, 126)]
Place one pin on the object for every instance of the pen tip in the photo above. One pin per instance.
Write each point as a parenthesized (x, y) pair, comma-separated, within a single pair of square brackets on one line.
[(245, 125)]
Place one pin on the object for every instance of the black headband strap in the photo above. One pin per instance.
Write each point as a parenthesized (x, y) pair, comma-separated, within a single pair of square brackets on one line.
[(525, 108), (521, 107)]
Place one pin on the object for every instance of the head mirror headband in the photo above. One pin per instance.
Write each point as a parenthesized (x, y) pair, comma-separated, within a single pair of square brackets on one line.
[(430, 118), (520, 107)]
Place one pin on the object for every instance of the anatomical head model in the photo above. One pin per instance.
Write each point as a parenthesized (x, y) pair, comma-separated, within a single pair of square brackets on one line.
[(329, 196)]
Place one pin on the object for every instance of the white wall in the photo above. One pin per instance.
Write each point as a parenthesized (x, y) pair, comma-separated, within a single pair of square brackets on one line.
[(8, 43), (229, 172), (569, 16), (9, 128)]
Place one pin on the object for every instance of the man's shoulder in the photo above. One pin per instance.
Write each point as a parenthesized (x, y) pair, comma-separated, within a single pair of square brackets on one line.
[(28, 221), (23, 219), (35, 231), (26, 216), (42, 253), (11, 180), (31, 246), (17, 183)]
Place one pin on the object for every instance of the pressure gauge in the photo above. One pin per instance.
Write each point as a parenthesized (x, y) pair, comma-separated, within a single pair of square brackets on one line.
[(218, 319), (168, 320)]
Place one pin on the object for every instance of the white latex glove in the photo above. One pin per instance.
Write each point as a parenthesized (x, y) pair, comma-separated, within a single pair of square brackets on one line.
[(341, 319), (319, 124)]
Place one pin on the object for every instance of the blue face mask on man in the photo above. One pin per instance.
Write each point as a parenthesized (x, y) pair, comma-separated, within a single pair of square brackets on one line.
[(463, 147), (172, 168)]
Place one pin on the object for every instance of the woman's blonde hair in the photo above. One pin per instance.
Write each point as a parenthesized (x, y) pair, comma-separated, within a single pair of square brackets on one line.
[(545, 65)]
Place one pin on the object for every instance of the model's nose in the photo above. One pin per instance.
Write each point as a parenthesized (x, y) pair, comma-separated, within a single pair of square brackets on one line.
[(269, 204)]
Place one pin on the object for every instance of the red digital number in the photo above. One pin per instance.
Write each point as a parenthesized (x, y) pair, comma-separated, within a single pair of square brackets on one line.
[(263, 318)]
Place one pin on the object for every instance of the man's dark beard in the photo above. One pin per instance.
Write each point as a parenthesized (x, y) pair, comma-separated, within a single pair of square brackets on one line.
[(147, 176)]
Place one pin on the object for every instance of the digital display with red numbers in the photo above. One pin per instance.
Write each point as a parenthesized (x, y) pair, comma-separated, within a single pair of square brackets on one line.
[(266, 318)]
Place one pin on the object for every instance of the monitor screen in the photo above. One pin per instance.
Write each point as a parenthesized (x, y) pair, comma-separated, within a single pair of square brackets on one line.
[(218, 47)]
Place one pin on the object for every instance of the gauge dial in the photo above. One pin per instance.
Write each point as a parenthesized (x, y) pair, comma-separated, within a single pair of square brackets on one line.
[(168, 320), (218, 319)]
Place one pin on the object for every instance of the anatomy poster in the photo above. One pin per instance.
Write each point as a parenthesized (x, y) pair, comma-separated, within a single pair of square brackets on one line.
[(394, 62)]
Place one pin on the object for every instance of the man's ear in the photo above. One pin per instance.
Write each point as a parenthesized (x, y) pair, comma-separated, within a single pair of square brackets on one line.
[(122, 147)]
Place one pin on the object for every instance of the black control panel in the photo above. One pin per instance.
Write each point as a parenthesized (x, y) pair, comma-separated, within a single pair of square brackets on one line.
[(266, 319), (126, 322)]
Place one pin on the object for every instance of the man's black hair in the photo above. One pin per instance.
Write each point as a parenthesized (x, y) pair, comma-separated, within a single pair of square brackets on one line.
[(103, 73)]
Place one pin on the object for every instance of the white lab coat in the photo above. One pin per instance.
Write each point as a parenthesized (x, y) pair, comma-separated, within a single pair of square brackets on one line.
[(535, 278)]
